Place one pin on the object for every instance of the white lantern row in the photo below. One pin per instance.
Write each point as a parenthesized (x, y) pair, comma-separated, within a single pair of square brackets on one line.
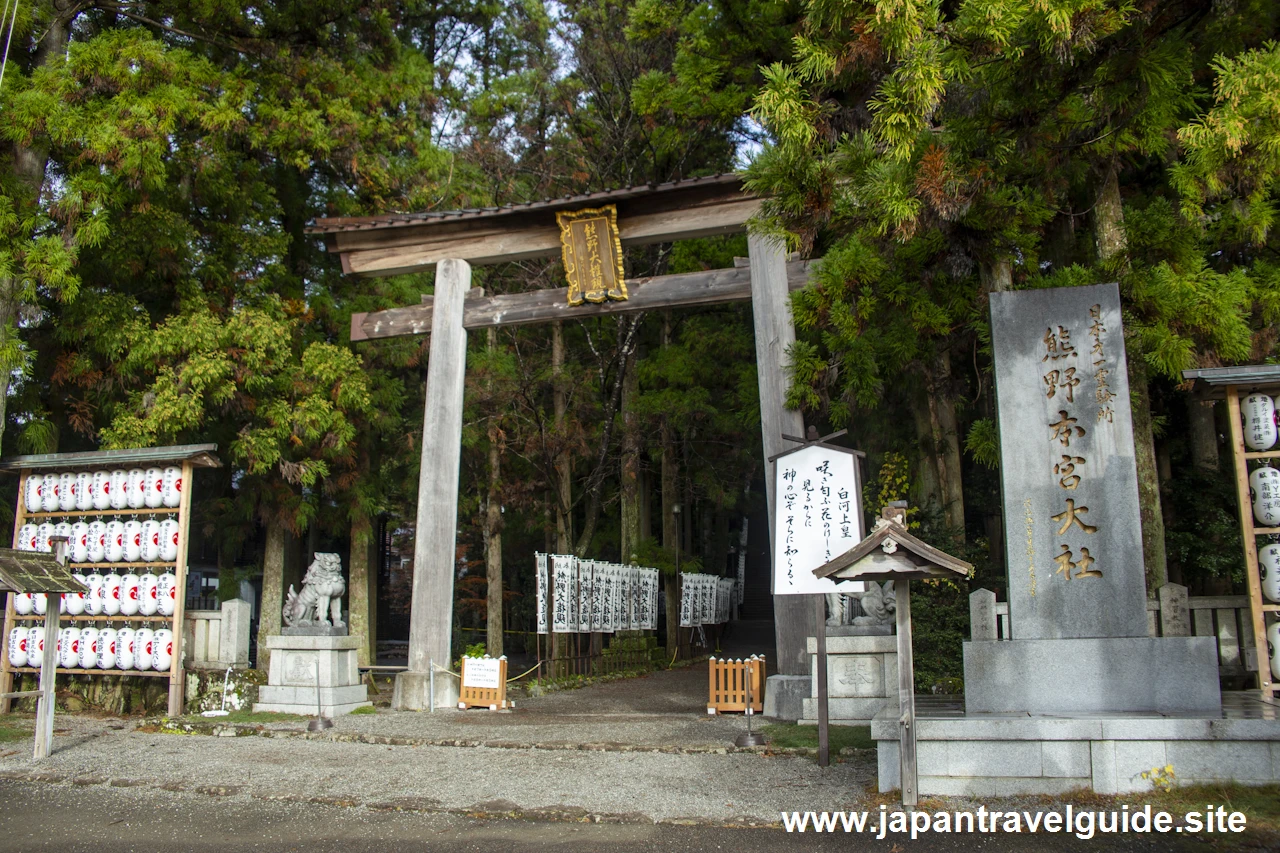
[(1259, 414), (593, 596), (129, 541), (110, 595), (86, 491), (94, 648)]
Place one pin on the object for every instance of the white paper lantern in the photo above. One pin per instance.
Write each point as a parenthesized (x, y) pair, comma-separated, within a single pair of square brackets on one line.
[(88, 648), (111, 594), (162, 654), (168, 540), (101, 490), (97, 540), (24, 604), (43, 533), (31, 493), (171, 493), (118, 489), (1269, 564), (27, 537), (132, 540), (93, 600), (63, 528), (124, 648), (150, 540), (1264, 483), (18, 646), (35, 646), (49, 493), (75, 600), (147, 601), (129, 595), (154, 488), (143, 648), (83, 491), (1273, 641), (167, 593), (136, 488), (66, 491), (79, 542), (1259, 413), (69, 648), (114, 541), (107, 648), (41, 602)]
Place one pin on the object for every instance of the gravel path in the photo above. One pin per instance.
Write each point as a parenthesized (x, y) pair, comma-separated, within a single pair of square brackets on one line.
[(646, 786)]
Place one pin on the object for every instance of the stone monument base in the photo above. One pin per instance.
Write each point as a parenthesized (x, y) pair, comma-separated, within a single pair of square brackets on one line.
[(413, 691), (784, 696), (862, 676), (1166, 675), (291, 677), (998, 756)]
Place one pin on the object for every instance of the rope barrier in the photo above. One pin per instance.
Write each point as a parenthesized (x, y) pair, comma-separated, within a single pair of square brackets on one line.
[(526, 672)]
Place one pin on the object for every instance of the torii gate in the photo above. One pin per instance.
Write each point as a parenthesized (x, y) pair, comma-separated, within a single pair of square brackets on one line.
[(453, 241)]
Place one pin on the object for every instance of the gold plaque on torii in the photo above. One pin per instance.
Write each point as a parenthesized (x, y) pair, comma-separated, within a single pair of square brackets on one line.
[(592, 254)]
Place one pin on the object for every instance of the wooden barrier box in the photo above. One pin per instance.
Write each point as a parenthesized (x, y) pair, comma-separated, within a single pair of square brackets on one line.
[(732, 682)]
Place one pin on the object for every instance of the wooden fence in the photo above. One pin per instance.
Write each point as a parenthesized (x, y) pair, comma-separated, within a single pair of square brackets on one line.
[(729, 685)]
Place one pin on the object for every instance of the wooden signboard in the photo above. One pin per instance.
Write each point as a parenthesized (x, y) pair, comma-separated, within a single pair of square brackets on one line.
[(484, 684)]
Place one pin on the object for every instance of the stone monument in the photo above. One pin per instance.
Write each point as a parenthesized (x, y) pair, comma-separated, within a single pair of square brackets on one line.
[(1077, 588), (862, 658), (313, 659)]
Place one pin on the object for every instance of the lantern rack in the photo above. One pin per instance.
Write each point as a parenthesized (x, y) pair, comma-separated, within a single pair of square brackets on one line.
[(1231, 383), (188, 458)]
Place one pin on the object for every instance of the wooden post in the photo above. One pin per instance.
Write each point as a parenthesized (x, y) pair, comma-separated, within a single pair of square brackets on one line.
[(435, 537), (177, 682), (775, 333), (906, 696), (6, 671), (1245, 502), (49, 668), (824, 744)]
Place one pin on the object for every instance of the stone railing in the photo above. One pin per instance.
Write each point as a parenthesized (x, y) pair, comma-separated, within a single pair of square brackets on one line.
[(1171, 614), (217, 639)]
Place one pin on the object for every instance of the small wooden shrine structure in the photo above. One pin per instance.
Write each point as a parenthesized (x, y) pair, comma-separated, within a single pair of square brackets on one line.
[(891, 552), (46, 574)]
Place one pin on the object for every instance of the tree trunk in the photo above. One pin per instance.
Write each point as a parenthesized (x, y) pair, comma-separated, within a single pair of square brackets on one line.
[(564, 470), (358, 593), (29, 167), (630, 467), (930, 492), (493, 549), (272, 604), (493, 529), (1204, 435), (563, 464), (1111, 243), (945, 441), (1144, 446), (670, 523)]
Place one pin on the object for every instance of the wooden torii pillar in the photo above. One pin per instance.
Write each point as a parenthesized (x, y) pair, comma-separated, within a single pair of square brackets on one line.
[(394, 244)]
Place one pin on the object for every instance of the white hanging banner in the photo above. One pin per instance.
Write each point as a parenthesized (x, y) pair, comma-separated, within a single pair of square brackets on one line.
[(540, 570), (648, 599), (818, 515), (589, 610), (686, 600), (563, 619)]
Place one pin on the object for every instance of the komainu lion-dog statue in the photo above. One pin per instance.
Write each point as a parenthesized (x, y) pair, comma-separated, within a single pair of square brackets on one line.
[(321, 595)]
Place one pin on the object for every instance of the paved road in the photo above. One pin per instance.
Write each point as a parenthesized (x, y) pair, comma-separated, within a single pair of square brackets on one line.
[(38, 816)]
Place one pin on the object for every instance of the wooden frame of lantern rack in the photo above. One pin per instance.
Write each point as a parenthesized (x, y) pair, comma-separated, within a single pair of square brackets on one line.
[(188, 457), (1230, 383)]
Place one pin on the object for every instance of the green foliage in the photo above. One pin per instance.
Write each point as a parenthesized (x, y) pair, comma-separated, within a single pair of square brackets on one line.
[(983, 442), (784, 736)]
